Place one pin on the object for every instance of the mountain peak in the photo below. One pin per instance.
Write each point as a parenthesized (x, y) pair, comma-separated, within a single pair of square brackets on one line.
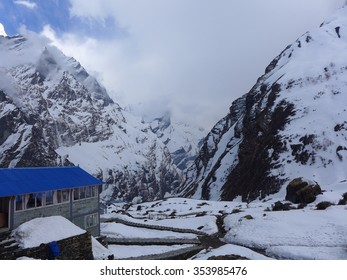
[(52, 112), (2, 30), (291, 124)]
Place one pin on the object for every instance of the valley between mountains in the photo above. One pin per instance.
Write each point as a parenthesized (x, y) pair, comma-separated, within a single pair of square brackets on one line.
[(228, 188)]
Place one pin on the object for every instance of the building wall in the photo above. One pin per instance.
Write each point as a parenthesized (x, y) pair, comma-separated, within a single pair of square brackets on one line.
[(81, 208), (21, 217), (74, 211)]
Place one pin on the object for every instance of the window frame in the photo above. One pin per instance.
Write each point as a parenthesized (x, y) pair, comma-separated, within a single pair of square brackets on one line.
[(57, 197), (93, 222), (85, 192)]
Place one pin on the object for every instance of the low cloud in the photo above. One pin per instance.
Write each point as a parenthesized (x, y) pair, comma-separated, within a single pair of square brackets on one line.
[(190, 57)]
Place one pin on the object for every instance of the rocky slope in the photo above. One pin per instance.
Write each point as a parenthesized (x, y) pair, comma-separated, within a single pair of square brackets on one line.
[(292, 123), (52, 112)]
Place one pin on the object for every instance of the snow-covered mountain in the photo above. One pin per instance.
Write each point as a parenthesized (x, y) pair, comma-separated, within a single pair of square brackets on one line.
[(182, 139), (292, 123), (52, 112)]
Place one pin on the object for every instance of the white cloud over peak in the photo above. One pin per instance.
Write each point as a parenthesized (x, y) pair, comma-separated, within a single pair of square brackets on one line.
[(2, 30), (27, 4), (194, 56)]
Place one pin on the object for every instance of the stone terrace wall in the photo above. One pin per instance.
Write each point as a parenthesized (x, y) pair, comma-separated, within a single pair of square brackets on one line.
[(78, 247), (150, 226)]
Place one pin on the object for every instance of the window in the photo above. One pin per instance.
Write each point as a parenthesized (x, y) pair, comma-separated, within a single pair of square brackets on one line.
[(19, 202), (30, 201), (39, 199), (35, 200), (65, 195), (88, 191), (91, 220), (58, 196), (76, 194), (85, 192), (49, 197), (94, 191), (82, 192)]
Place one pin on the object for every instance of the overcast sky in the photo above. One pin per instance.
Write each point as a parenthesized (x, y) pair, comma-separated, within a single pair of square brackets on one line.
[(192, 57)]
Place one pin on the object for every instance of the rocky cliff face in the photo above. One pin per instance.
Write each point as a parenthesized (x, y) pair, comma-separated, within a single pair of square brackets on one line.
[(292, 123), (52, 112)]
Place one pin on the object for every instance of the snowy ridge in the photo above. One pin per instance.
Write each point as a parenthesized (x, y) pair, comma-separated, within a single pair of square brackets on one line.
[(55, 113), (291, 124)]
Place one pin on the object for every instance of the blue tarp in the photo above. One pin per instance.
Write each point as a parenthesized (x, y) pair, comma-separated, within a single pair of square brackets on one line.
[(15, 181), (54, 247)]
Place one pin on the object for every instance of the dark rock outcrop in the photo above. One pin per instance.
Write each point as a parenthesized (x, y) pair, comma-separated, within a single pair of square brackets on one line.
[(323, 205), (251, 176), (300, 190), (279, 206)]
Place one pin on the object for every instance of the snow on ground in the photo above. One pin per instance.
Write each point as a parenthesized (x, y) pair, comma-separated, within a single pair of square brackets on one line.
[(117, 230), (310, 228), (99, 251), (228, 250), (45, 230), (205, 224), (126, 251), (296, 234), (308, 253)]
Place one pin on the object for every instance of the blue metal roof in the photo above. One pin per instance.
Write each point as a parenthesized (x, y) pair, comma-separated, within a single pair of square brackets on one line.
[(15, 181)]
